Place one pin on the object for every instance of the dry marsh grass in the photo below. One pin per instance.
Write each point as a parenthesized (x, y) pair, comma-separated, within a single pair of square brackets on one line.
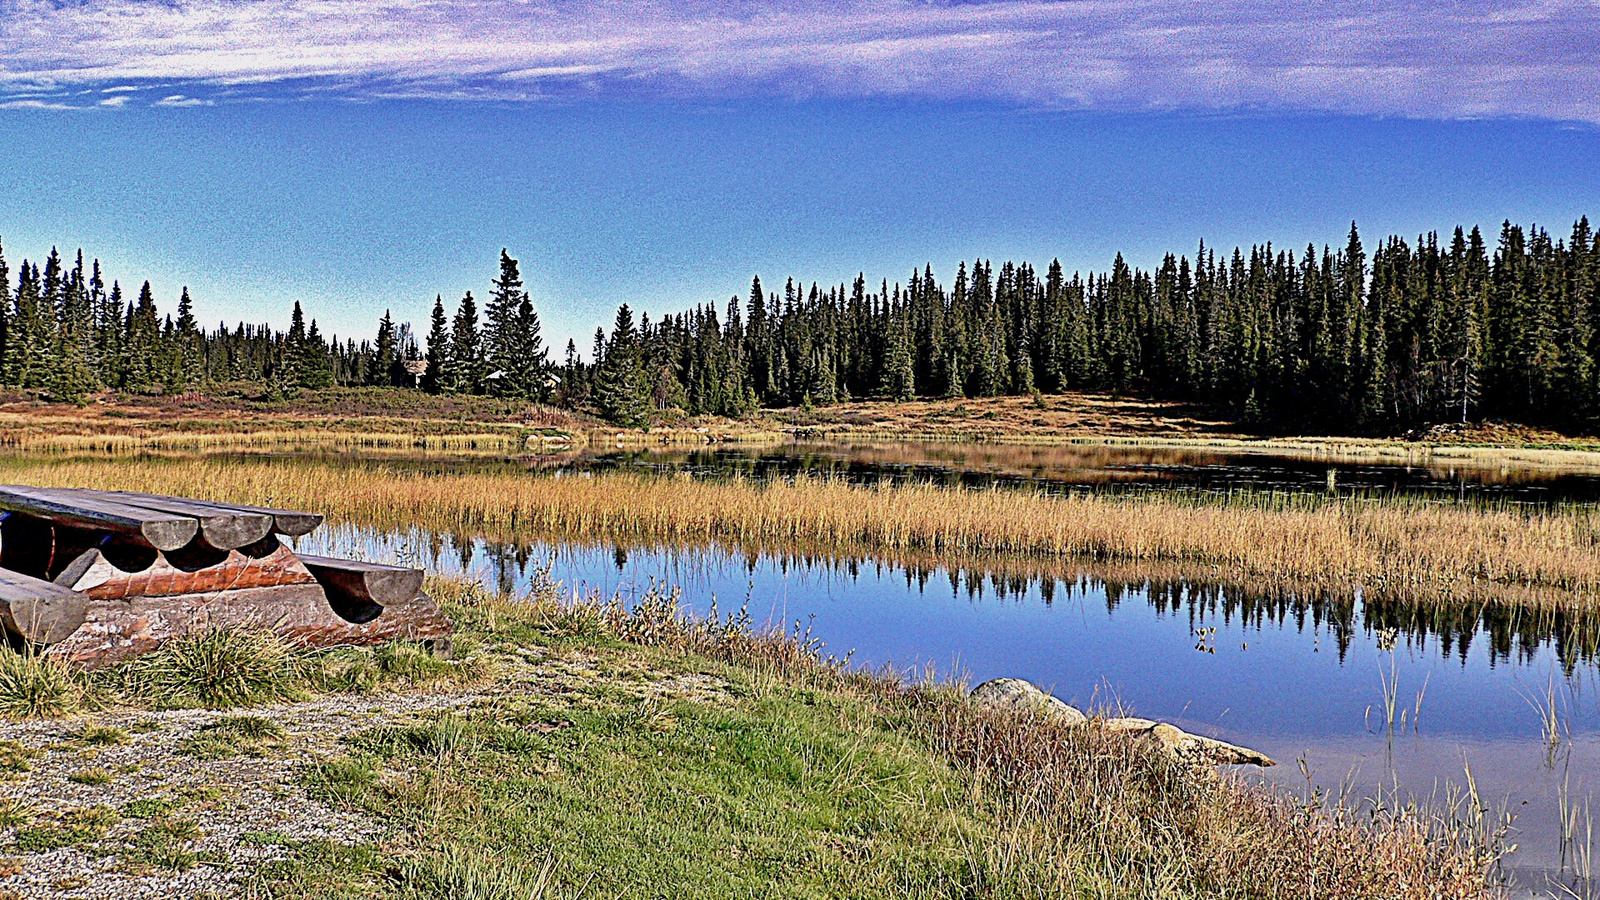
[(1544, 558)]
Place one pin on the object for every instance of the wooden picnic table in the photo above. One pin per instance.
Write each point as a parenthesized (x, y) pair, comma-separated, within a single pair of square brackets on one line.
[(95, 576)]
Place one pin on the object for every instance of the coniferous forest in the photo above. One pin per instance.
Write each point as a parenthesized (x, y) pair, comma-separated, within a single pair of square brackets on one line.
[(1341, 339)]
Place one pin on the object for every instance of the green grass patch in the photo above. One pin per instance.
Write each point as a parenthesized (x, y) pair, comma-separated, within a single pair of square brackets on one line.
[(164, 844), (234, 736), (93, 735), (16, 756), (94, 776), (149, 807), (69, 829), (773, 799)]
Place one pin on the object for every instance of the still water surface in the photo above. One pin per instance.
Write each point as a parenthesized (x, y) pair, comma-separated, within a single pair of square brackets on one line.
[(1105, 467)]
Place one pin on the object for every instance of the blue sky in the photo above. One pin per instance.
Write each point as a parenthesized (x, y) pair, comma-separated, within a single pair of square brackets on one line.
[(369, 154)]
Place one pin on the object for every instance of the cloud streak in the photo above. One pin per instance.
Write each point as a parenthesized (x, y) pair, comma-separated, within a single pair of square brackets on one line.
[(1470, 58)]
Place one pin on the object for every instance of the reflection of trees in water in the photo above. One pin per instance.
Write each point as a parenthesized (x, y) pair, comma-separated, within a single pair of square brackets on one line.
[(1514, 631), (1202, 594), (1111, 467)]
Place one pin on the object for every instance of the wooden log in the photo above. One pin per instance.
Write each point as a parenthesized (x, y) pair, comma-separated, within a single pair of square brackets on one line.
[(163, 531), (222, 528), (284, 521), (101, 578), (359, 591), (37, 611), (115, 629)]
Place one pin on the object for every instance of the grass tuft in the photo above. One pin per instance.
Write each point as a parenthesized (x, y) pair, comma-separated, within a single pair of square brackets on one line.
[(37, 687), (458, 874), (233, 736), (15, 812), (218, 669), (95, 735)]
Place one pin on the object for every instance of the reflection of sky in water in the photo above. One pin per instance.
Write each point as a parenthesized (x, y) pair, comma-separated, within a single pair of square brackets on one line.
[(1278, 688)]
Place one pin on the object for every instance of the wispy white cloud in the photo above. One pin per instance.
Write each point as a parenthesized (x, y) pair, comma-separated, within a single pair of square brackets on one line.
[(35, 104), (179, 100), (1465, 58)]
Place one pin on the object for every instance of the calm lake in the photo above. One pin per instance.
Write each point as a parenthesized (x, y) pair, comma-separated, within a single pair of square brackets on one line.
[(1510, 704)]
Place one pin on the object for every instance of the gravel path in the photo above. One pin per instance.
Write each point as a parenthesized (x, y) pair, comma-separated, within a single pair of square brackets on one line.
[(131, 804)]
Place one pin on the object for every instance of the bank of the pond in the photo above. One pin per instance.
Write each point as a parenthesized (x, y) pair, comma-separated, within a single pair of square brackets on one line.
[(1400, 549), (588, 749)]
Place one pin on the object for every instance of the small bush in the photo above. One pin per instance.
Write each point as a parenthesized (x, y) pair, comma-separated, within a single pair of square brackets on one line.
[(90, 776), (36, 687), (217, 669)]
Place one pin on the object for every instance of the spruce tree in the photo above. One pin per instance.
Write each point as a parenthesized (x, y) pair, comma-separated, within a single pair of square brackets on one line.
[(439, 344), (621, 388), (464, 374), (385, 355)]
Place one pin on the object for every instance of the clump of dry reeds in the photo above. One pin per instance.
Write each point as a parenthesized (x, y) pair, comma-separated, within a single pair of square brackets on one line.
[(1548, 557)]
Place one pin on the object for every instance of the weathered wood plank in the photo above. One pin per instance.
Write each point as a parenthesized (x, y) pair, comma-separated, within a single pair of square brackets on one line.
[(359, 591), (163, 531), (38, 611), (284, 521), (224, 529)]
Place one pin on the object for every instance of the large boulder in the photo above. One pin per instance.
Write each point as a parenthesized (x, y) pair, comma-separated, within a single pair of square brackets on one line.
[(1014, 693)]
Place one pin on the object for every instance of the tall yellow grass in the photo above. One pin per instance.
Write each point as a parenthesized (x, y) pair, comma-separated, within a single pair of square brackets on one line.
[(1544, 558), (310, 439)]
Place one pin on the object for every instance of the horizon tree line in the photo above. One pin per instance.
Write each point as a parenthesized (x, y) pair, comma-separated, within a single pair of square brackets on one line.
[(1323, 339)]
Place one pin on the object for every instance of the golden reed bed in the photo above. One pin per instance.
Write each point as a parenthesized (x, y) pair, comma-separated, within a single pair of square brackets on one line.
[(1547, 558)]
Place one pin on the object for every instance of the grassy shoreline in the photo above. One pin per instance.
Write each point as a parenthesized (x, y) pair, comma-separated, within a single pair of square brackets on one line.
[(227, 416), (581, 748)]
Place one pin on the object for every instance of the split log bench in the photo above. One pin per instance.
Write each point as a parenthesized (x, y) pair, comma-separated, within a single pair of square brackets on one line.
[(92, 577)]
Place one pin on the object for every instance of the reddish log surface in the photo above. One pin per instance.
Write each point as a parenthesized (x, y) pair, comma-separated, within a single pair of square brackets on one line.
[(102, 579), (115, 629)]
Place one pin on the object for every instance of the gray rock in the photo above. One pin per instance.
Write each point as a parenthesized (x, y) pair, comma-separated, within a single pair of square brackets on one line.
[(1014, 693), (1190, 748)]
